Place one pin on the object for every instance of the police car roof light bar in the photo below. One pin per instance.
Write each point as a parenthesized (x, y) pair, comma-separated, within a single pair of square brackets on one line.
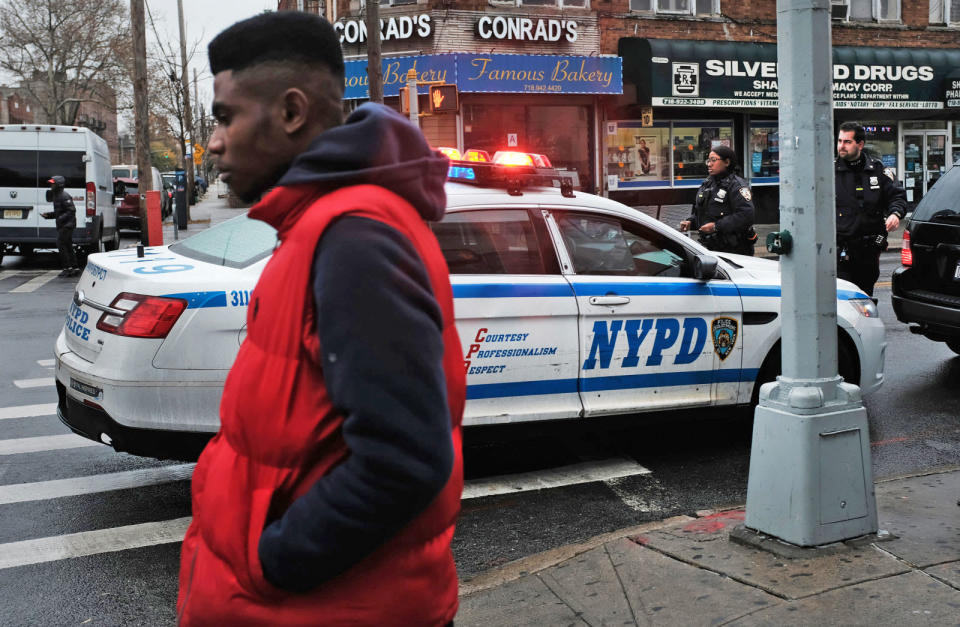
[(512, 178)]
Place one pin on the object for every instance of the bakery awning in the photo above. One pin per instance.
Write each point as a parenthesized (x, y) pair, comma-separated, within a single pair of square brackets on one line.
[(743, 75)]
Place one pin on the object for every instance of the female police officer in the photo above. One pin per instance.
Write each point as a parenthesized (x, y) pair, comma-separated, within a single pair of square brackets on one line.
[(723, 208)]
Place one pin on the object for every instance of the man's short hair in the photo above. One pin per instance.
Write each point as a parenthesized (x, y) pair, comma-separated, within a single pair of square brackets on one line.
[(858, 133), (281, 36)]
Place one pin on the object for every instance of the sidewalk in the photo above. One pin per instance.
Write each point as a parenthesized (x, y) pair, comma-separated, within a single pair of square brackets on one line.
[(686, 571), (208, 211)]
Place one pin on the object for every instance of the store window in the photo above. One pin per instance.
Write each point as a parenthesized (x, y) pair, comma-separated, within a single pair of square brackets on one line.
[(945, 12), (873, 10), (880, 142), (763, 160), (692, 143), (666, 154), (956, 143), (635, 153), (561, 132), (677, 7)]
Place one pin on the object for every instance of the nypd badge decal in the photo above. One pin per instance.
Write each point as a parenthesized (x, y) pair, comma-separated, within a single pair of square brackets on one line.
[(724, 334)]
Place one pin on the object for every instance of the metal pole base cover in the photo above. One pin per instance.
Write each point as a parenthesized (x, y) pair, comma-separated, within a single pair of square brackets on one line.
[(810, 478)]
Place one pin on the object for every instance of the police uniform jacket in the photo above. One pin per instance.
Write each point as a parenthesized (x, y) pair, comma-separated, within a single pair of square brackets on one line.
[(725, 201), (865, 199)]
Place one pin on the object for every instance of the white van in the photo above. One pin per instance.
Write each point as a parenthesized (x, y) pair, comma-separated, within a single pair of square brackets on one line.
[(29, 156)]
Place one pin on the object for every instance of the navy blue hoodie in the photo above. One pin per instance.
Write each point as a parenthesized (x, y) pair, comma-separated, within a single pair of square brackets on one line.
[(380, 331)]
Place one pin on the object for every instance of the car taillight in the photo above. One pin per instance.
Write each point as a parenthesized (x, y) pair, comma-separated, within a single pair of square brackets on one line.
[(91, 199), (906, 254), (143, 316)]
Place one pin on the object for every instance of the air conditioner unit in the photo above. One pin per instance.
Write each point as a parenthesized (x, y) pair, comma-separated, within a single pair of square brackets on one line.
[(839, 10)]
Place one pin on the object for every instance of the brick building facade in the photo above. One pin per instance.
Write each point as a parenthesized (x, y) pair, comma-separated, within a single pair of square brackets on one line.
[(703, 72)]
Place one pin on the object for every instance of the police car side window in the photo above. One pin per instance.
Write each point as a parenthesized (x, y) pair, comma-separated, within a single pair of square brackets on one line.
[(496, 241), (608, 245)]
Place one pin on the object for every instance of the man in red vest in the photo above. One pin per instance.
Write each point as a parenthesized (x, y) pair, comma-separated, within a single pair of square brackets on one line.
[(329, 495)]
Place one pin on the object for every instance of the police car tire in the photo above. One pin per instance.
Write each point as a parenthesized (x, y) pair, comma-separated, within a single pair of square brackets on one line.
[(953, 344), (848, 365)]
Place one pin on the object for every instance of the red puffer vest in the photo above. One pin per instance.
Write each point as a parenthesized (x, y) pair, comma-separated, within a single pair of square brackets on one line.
[(279, 434)]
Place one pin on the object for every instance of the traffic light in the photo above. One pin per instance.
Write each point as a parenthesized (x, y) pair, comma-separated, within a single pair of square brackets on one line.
[(443, 99), (423, 101)]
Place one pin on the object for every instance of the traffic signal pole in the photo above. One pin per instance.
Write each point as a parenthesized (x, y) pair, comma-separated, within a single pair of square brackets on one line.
[(810, 479)]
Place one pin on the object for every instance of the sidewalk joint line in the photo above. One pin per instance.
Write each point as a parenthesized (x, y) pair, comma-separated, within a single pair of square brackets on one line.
[(572, 609), (626, 596)]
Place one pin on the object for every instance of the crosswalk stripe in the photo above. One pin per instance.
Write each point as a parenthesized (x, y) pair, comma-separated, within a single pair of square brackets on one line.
[(40, 550), (58, 488), (43, 443), (34, 383), (586, 472), (28, 411), (46, 363), (35, 283)]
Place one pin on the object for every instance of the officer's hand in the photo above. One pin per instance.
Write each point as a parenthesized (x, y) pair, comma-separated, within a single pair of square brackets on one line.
[(685, 226), (709, 227), (892, 222)]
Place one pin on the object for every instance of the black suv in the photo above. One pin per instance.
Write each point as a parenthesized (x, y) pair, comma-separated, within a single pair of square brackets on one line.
[(926, 289)]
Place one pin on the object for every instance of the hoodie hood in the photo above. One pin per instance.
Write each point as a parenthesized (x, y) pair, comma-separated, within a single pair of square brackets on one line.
[(57, 181), (375, 146)]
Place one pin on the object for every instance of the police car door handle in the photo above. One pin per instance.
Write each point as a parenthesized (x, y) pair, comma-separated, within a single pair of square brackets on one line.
[(609, 300)]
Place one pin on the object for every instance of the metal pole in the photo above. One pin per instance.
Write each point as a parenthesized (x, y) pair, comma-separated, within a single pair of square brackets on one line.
[(187, 117), (141, 111), (412, 94), (810, 480), (374, 73)]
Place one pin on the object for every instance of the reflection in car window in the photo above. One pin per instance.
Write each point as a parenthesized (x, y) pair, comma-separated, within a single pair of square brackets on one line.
[(498, 241), (607, 245), (941, 202), (236, 243)]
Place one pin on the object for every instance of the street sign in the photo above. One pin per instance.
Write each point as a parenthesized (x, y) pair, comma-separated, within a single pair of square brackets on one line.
[(443, 99)]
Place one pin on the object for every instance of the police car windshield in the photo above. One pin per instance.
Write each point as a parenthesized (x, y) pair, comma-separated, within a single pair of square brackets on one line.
[(236, 243)]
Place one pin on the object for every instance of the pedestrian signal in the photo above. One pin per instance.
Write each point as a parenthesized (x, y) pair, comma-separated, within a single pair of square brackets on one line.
[(443, 99), (423, 102)]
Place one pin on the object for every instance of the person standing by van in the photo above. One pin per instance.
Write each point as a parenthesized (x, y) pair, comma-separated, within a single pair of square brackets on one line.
[(65, 214)]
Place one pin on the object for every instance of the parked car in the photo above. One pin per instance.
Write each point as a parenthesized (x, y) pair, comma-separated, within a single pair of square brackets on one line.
[(29, 156), (127, 194), (926, 288), (568, 306)]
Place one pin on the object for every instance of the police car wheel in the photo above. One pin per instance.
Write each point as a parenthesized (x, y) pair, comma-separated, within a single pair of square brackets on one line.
[(848, 365), (954, 346)]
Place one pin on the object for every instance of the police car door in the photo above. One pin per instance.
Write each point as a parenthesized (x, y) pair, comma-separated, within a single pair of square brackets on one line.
[(651, 336), (516, 315)]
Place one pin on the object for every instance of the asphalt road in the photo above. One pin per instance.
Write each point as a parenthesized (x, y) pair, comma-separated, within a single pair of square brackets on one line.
[(695, 461)]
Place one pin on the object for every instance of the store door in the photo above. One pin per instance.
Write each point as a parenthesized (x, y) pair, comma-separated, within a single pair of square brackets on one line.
[(924, 162)]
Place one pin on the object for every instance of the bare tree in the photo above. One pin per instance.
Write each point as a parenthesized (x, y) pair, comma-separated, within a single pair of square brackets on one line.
[(64, 52)]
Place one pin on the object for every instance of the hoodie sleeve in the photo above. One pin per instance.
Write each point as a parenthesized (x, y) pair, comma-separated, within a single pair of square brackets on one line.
[(380, 330)]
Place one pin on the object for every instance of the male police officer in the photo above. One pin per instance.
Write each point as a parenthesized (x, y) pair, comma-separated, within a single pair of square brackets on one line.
[(869, 204)]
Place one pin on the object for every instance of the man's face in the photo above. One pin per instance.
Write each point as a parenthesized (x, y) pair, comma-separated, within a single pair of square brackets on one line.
[(847, 148), (248, 145)]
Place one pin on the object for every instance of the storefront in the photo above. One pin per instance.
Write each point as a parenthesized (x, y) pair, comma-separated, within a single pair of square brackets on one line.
[(707, 93), (533, 103)]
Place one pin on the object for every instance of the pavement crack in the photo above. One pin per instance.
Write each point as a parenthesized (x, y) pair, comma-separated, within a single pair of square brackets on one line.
[(626, 596), (576, 612)]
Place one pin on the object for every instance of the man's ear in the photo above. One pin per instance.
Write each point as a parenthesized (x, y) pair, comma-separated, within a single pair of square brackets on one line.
[(295, 110)]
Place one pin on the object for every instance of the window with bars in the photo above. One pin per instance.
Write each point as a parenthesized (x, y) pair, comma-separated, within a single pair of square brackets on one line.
[(945, 12), (677, 7)]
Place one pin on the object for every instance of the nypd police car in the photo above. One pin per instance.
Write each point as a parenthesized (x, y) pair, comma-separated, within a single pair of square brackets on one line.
[(568, 306)]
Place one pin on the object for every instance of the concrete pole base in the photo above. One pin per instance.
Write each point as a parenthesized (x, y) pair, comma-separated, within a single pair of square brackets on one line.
[(810, 479)]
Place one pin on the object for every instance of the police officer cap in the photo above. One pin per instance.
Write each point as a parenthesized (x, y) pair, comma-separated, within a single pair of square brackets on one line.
[(57, 181), (277, 36)]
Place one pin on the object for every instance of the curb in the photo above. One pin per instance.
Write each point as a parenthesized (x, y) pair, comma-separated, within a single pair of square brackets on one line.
[(542, 561)]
